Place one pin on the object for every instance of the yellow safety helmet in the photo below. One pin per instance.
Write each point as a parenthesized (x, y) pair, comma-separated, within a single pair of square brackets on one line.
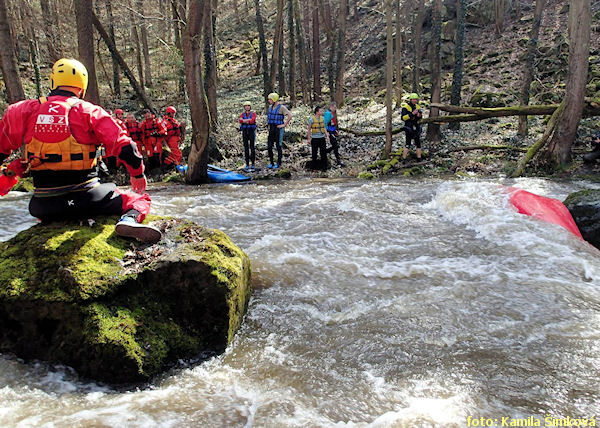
[(273, 96), (69, 72), (413, 96), (247, 103)]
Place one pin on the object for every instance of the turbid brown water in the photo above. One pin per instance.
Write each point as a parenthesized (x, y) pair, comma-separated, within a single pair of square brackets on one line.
[(382, 304)]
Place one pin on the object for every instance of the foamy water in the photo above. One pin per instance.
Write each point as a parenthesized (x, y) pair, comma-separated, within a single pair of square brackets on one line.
[(386, 304)]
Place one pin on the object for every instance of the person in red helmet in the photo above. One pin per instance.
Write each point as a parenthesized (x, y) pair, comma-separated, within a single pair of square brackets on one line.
[(62, 134), (174, 132), (120, 119), (153, 133)]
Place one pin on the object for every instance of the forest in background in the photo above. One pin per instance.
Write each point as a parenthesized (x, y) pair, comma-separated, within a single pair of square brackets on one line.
[(311, 52)]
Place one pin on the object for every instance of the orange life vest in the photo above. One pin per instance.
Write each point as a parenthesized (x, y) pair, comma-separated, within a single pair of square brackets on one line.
[(52, 146)]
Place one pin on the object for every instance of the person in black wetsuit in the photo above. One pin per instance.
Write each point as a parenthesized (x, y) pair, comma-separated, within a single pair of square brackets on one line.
[(411, 115)]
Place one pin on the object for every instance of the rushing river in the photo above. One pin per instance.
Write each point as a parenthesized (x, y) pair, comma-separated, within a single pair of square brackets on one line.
[(388, 304)]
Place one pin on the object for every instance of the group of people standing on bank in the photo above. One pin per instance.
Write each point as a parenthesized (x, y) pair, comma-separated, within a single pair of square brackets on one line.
[(158, 140), (322, 131)]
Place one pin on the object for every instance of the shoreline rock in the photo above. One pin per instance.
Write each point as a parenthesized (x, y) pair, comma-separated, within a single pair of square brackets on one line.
[(584, 206), (115, 310)]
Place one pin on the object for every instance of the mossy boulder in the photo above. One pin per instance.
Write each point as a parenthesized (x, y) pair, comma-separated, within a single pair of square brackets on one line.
[(75, 293)]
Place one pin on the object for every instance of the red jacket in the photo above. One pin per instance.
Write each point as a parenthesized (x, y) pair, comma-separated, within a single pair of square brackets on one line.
[(89, 124), (122, 124), (152, 128), (172, 126), (252, 118), (134, 130)]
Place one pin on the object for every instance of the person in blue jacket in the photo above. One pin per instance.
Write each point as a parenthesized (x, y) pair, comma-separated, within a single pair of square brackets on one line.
[(331, 123), (278, 117)]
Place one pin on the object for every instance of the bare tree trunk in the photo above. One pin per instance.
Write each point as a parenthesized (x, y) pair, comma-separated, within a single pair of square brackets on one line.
[(146, 49), (398, 52), (192, 56), (276, 41), (178, 16), (302, 57), (341, 52), (280, 67), (8, 59), (528, 63), (458, 58), (316, 52), (36, 67), (267, 87), (85, 46), (136, 42), (517, 10), (292, 54), (433, 130), (111, 33), (499, 12), (559, 150), (137, 87), (389, 76), (210, 64), (52, 44), (418, 31), (356, 10), (177, 24)]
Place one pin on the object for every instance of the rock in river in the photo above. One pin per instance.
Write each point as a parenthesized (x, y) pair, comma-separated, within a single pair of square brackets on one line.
[(115, 310), (585, 209)]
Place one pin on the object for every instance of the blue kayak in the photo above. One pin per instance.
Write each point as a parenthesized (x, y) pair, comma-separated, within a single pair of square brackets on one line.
[(220, 175)]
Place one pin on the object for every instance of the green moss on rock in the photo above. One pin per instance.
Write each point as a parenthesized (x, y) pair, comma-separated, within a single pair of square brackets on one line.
[(117, 311)]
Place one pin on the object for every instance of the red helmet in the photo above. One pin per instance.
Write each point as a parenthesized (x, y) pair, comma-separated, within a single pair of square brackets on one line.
[(119, 111), (171, 110)]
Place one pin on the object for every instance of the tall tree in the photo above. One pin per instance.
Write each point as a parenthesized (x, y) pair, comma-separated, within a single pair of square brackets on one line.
[(85, 46), (302, 56), (316, 50), (459, 57), (280, 66), (559, 150), (341, 52), (276, 42), (52, 41), (8, 58), (417, 31), (267, 86), (528, 63), (136, 43), (499, 12), (111, 33), (433, 130), (292, 54), (192, 56), (389, 75), (145, 47), (398, 52), (210, 62)]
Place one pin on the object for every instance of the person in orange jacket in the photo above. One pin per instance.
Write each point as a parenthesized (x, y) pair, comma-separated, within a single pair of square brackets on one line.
[(153, 133), (62, 134), (174, 131)]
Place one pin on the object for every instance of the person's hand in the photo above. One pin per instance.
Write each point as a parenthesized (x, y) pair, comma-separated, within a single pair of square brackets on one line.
[(281, 126), (138, 185)]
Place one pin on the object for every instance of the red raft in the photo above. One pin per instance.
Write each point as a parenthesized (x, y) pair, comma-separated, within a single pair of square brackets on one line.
[(546, 209)]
